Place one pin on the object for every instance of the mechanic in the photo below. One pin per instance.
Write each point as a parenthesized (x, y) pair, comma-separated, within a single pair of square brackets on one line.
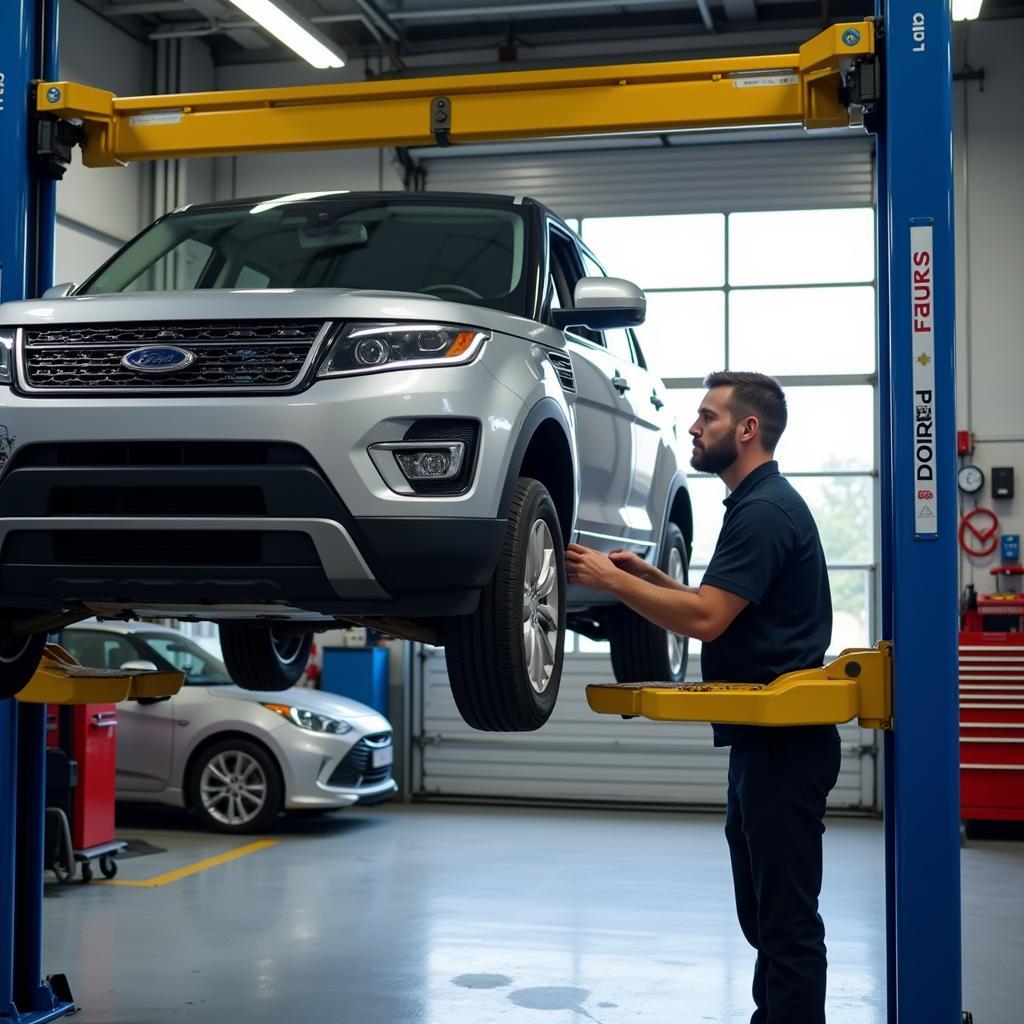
[(763, 609)]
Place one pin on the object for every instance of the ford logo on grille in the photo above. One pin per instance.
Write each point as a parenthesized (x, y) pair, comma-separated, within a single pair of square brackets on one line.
[(158, 359)]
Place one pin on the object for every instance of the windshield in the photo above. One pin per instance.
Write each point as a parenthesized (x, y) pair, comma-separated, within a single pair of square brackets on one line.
[(185, 655), (455, 251)]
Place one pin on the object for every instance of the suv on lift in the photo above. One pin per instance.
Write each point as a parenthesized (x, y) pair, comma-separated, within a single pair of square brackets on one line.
[(287, 413)]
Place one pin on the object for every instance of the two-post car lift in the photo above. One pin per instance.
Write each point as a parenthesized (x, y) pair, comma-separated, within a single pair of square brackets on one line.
[(893, 74)]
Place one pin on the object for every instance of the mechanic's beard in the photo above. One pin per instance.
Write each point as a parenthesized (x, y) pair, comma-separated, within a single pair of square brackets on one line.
[(716, 459)]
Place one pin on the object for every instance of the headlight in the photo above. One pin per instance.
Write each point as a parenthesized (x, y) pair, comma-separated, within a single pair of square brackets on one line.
[(6, 358), (311, 720), (368, 348)]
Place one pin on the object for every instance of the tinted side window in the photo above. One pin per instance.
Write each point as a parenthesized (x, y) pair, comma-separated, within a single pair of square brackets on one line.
[(566, 270)]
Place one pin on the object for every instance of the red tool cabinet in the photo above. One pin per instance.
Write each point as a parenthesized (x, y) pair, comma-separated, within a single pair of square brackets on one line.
[(992, 726), (94, 742)]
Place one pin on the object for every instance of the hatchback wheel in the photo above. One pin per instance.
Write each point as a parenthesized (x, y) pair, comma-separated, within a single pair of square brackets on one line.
[(235, 786), (264, 658), (642, 652), (505, 660), (20, 654)]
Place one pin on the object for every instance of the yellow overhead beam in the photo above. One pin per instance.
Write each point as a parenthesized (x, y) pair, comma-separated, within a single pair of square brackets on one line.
[(858, 684), (782, 89)]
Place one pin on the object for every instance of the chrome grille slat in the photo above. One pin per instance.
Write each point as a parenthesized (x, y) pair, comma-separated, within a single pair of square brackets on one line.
[(256, 355)]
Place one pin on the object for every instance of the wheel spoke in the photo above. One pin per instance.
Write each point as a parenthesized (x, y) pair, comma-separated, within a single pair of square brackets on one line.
[(547, 651), (547, 576), (548, 618)]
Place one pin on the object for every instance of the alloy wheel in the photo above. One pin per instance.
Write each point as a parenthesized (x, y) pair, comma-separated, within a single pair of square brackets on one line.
[(541, 604), (233, 788), (676, 644)]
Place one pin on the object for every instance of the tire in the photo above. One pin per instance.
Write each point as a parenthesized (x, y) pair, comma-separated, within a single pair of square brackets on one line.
[(20, 655), (108, 866), (641, 651), (262, 658), (488, 662), (257, 773)]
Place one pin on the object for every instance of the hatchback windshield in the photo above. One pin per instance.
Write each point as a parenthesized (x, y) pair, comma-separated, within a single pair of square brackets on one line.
[(184, 655), (455, 251)]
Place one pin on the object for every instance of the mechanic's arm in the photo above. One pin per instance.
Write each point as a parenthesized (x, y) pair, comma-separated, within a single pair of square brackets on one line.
[(704, 614)]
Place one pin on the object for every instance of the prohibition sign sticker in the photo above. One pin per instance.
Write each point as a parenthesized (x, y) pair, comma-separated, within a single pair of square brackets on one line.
[(979, 532)]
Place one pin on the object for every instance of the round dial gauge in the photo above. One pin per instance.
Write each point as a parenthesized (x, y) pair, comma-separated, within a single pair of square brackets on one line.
[(970, 479)]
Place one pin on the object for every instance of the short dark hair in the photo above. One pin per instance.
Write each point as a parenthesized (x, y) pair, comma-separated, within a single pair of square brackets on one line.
[(754, 394)]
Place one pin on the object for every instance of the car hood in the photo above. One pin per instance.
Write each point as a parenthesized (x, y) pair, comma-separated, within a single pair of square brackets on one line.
[(300, 697), (259, 304)]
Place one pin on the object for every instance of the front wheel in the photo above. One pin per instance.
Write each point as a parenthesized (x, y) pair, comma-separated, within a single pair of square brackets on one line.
[(264, 658), (641, 651), (505, 660), (20, 655), (235, 786)]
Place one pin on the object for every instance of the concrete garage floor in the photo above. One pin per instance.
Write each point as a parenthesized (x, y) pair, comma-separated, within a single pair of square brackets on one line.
[(436, 914)]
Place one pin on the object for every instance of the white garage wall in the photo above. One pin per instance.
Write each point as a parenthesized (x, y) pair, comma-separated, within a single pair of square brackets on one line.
[(98, 209), (990, 246)]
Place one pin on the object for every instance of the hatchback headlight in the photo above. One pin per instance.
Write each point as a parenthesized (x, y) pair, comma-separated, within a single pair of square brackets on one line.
[(311, 720), (370, 348), (6, 358)]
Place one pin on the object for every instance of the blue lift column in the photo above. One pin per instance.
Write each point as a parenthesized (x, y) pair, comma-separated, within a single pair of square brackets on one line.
[(28, 50), (916, 357)]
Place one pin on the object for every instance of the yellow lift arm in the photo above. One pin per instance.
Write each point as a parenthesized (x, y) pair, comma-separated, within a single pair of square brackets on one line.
[(59, 679), (858, 684), (804, 88)]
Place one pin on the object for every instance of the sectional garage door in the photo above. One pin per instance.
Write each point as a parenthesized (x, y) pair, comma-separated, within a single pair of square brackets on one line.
[(580, 756)]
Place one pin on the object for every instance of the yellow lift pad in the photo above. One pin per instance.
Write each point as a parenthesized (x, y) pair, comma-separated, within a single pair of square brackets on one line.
[(858, 684), (59, 679)]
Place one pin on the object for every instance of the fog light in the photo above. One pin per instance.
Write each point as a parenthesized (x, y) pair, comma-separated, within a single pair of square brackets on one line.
[(441, 462)]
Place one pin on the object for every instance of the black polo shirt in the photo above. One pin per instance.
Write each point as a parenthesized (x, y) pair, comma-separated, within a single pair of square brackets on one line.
[(770, 553)]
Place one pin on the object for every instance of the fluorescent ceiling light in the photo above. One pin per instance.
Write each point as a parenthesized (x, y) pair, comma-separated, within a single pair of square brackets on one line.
[(966, 10), (294, 31)]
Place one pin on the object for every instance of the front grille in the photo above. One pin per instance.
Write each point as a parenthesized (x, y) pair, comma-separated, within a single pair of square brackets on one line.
[(562, 362), (157, 501), (115, 454), (355, 771), (227, 355)]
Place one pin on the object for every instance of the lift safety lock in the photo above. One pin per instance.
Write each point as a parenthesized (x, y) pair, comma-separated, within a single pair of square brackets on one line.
[(858, 684)]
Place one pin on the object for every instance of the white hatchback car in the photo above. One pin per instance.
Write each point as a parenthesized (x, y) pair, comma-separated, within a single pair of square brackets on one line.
[(237, 757)]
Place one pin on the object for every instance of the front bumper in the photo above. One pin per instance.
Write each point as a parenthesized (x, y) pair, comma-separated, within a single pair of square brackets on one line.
[(306, 525), (317, 775)]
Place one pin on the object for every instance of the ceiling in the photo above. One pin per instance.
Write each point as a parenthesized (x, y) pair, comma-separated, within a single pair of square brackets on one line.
[(385, 35)]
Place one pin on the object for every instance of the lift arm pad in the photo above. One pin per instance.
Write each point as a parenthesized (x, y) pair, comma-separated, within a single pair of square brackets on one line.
[(858, 684), (61, 680)]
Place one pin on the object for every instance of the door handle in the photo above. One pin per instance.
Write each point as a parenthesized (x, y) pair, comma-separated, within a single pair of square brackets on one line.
[(656, 401), (620, 384), (104, 720)]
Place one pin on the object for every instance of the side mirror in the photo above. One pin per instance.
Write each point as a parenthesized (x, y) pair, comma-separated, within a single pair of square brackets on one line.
[(139, 666), (603, 303), (59, 291)]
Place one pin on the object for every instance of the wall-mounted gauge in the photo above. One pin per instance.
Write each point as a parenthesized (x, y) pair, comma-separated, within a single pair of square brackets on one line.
[(970, 479)]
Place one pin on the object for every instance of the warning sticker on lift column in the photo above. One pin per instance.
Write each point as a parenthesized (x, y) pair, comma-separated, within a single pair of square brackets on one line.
[(922, 336)]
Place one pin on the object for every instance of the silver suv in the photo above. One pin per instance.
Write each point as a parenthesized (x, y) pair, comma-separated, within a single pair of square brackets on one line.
[(383, 409)]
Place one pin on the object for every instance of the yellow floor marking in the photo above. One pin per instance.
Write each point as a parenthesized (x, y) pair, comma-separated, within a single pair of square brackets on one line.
[(194, 869)]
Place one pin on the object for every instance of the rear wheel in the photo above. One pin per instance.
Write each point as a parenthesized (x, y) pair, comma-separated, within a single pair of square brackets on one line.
[(505, 660), (20, 655), (264, 658), (641, 651)]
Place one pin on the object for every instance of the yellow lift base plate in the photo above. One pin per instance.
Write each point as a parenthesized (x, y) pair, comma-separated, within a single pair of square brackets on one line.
[(59, 679), (858, 684)]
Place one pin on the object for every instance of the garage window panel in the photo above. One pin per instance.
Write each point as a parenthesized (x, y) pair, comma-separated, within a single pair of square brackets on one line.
[(798, 331), (801, 247), (684, 332), (670, 251)]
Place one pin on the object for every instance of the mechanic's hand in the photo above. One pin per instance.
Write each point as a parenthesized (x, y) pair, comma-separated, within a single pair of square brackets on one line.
[(586, 567), (631, 562)]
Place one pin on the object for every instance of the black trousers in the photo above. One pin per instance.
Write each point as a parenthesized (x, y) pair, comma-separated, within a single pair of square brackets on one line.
[(774, 824)]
